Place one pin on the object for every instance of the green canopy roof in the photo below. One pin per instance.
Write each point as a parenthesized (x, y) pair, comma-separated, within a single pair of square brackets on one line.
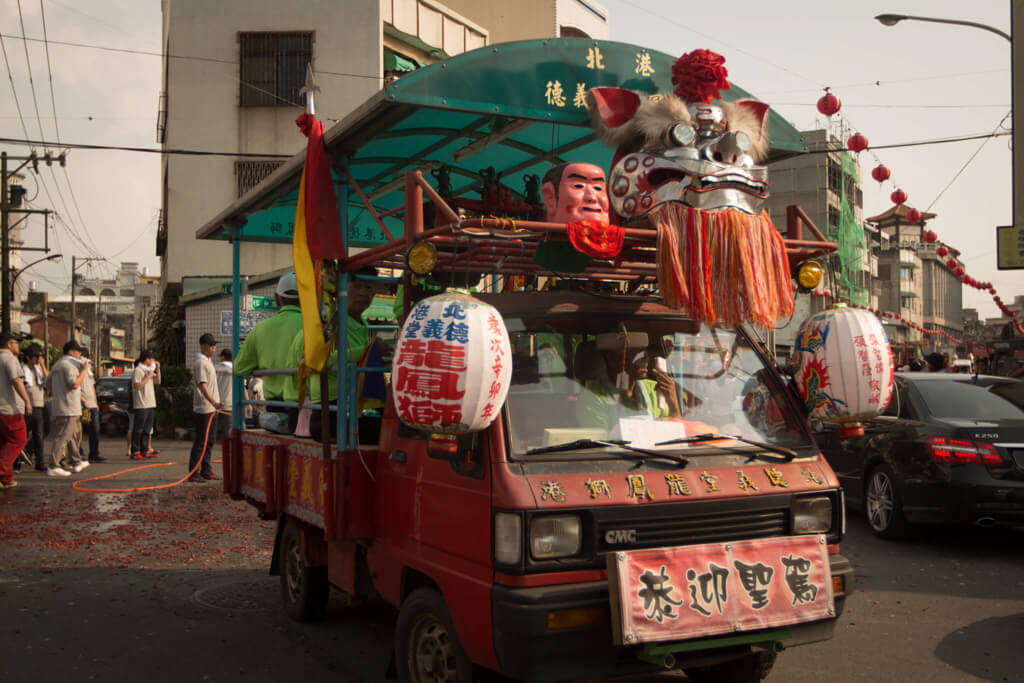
[(516, 108)]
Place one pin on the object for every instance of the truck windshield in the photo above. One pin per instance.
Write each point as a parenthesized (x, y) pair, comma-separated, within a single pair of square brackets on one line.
[(642, 381)]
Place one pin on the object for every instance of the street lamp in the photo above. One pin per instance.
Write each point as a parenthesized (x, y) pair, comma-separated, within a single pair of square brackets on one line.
[(51, 257), (893, 19)]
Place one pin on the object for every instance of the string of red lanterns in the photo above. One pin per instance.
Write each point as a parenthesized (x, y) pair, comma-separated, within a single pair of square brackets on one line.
[(829, 104), (893, 316)]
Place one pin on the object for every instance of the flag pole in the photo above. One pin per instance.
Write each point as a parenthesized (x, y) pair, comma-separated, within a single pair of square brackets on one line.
[(309, 90)]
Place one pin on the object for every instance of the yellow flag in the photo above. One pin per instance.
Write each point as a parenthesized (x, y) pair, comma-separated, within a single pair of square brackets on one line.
[(305, 278)]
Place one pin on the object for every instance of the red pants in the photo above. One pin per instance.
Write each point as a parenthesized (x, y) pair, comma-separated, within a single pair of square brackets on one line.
[(12, 439)]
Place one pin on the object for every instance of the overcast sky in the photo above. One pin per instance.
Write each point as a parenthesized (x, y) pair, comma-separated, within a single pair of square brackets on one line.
[(911, 82)]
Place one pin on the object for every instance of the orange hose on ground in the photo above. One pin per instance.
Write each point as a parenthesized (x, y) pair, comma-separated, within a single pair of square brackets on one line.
[(206, 439)]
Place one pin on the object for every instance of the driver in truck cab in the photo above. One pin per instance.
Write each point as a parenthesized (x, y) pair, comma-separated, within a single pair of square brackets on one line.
[(640, 387)]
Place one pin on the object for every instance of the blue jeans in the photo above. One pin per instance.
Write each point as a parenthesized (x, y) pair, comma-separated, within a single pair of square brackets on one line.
[(199, 425), (142, 423), (94, 432)]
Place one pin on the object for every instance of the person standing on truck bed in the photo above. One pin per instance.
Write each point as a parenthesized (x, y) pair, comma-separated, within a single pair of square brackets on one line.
[(266, 348), (360, 296)]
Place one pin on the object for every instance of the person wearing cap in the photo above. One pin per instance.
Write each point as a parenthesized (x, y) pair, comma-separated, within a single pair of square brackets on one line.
[(92, 407), (145, 375), (205, 404), (266, 347), (13, 402), (65, 382), (34, 379)]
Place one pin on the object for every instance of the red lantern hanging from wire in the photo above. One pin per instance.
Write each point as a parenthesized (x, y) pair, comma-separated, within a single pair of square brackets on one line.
[(898, 196), (951, 263), (914, 216), (941, 250), (829, 104), (880, 173), (958, 271), (857, 143)]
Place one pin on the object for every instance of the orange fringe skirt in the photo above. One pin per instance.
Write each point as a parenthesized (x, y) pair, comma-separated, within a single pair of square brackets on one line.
[(723, 267)]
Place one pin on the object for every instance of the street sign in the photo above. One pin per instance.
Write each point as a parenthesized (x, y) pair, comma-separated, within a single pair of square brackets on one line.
[(262, 303), (246, 321), (225, 289), (1010, 247)]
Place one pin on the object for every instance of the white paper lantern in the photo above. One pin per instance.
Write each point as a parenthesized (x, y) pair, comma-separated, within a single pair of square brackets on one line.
[(843, 367), (452, 366)]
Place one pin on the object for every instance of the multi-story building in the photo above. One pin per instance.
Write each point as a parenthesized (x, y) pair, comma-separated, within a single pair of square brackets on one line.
[(916, 283), (233, 71), (110, 313), (826, 184)]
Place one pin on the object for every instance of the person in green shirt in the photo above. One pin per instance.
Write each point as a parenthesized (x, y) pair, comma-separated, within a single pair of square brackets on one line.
[(360, 296), (266, 347), (644, 388)]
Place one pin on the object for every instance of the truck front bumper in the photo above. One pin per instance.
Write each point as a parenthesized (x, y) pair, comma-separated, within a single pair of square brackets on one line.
[(528, 649)]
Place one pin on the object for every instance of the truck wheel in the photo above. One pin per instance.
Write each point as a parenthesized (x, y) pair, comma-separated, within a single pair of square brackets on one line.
[(427, 649), (305, 589), (883, 503), (749, 669)]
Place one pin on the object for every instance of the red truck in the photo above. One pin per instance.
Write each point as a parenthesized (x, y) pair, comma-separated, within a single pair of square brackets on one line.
[(577, 535)]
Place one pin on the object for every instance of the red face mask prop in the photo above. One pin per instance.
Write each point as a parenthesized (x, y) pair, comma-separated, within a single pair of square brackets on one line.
[(581, 195)]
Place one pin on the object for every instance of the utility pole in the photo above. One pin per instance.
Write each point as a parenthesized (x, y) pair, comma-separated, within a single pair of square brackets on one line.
[(75, 262), (46, 329), (5, 245), (6, 284)]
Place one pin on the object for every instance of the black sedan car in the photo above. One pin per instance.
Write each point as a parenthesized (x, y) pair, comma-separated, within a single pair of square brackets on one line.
[(948, 450)]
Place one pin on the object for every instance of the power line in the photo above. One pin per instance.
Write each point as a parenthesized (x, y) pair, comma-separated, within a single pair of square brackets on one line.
[(151, 53), (879, 83), (14, 91), (148, 150), (970, 159)]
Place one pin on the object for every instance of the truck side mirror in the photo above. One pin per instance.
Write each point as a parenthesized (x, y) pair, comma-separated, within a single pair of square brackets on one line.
[(454, 447)]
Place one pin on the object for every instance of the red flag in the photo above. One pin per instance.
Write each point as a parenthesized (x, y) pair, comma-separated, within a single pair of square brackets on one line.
[(323, 230)]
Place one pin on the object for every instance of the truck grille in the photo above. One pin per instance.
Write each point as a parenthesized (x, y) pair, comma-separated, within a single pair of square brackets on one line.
[(655, 531)]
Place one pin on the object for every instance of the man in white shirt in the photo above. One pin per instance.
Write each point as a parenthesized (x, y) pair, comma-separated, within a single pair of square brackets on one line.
[(89, 403), (35, 376), (144, 377), (13, 402), (65, 381), (205, 404), (225, 377)]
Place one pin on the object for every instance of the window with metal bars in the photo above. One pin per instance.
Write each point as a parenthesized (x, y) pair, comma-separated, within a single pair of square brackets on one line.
[(249, 174), (273, 67)]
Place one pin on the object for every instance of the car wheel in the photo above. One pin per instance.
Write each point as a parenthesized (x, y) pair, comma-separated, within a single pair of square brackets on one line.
[(427, 649), (883, 503), (749, 669), (305, 589)]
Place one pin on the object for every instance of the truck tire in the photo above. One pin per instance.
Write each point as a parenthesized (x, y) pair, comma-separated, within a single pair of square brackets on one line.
[(427, 649), (304, 589), (749, 669)]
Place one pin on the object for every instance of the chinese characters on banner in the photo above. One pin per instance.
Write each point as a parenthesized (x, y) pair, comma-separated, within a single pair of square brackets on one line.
[(562, 95), (694, 591), (453, 364)]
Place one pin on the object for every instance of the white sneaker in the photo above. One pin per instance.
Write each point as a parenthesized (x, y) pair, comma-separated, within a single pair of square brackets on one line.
[(57, 472), (80, 466)]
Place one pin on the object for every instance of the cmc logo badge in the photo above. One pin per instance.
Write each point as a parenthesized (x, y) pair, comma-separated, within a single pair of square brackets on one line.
[(617, 536)]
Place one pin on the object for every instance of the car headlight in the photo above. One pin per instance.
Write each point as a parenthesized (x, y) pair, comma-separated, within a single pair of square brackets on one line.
[(812, 515), (508, 538), (554, 536)]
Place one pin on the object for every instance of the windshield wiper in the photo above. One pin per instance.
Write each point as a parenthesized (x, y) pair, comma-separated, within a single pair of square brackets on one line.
[(611, 443), (701, 438)]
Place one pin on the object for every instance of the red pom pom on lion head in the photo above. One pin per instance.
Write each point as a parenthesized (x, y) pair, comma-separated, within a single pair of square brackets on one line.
[(700, 75)]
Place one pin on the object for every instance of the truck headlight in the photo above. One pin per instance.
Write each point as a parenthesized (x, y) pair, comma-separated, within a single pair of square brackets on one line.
[(554, 536), (812, 515), (508, 538)]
